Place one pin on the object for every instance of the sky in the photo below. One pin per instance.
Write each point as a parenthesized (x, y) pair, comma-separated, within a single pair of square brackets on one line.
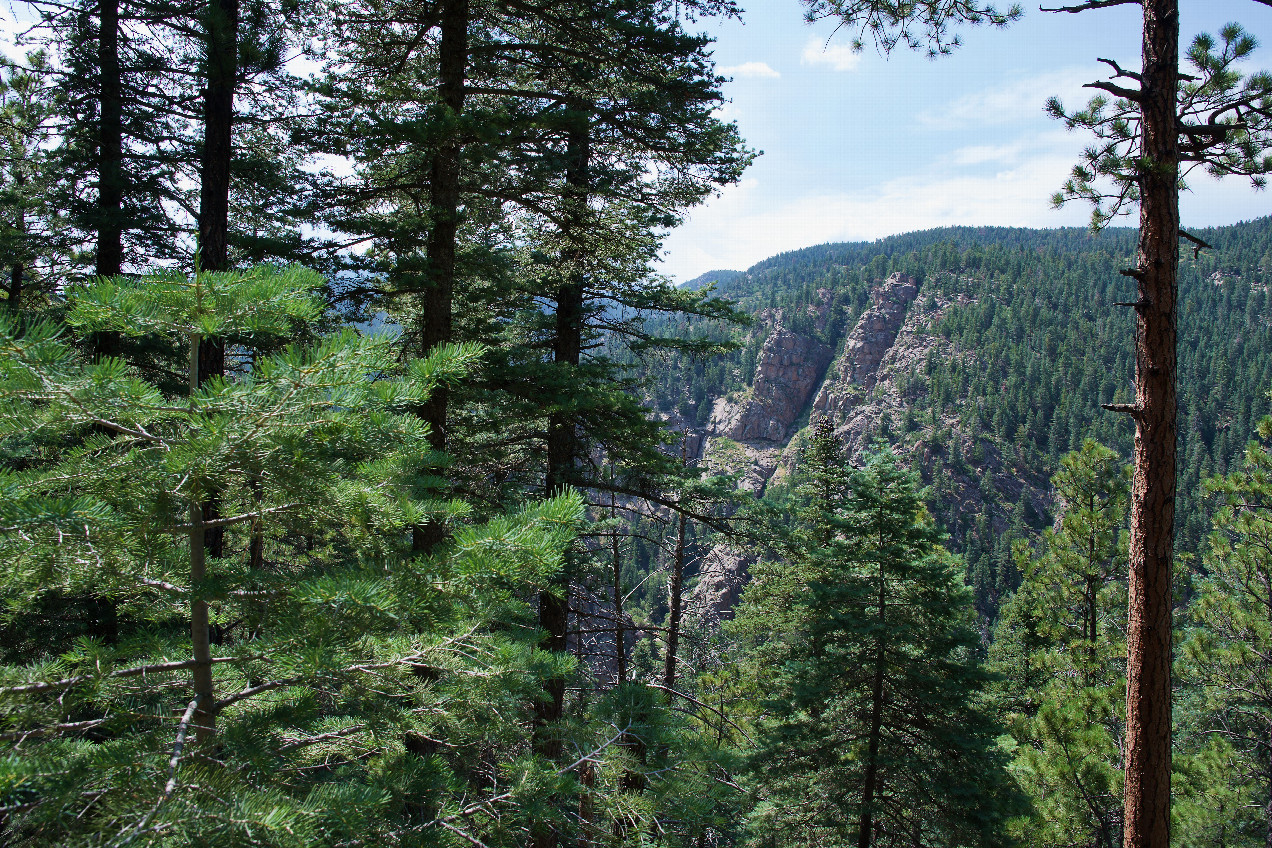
[(858, 146)]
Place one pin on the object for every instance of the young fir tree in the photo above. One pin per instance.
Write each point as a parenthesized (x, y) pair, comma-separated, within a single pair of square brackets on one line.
[(314, 685), (875, 733), (1060, 645)]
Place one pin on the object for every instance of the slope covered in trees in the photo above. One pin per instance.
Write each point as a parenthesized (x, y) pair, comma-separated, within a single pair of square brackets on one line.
[(1017, 342)]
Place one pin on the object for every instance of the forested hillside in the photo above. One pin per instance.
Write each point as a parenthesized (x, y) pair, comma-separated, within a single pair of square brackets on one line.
[(1015, 340)]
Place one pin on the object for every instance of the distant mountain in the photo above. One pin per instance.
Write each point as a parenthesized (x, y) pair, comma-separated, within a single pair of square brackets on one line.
[(717, 277), (983, 355)]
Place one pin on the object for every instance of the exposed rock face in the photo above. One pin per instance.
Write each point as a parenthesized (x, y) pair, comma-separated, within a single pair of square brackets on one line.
[(868, 392), (722, 576), (873, 336), (787, 370)]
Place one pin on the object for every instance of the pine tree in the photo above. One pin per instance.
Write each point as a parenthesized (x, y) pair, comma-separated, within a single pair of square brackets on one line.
[(1060, 647), (31, 231), (237, 687), (874, 734), (1162, 124), (1228, 654)]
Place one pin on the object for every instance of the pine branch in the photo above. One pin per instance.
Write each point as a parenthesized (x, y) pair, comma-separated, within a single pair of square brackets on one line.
[(51, 686)]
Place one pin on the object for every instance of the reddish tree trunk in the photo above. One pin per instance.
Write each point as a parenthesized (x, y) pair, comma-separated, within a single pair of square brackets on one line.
[(1148, 694)]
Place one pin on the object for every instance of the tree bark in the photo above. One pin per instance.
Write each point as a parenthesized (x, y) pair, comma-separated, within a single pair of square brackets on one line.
[(1148, 695), (214, 192), (675, 600), (437, 318), (110, 166), (218, 126), (19, 269), (1267, 808), (204, 719), (563, 442), (620, 629), (110, 144)]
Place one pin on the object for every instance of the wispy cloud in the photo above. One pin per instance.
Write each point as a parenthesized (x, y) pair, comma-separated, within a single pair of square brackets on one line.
[(745, 224), (839, 57), (1011, 103), (982, 154), (753, 70)]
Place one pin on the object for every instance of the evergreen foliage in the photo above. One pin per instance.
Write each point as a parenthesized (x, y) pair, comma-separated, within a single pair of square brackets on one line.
[(1061, 648), (349, 690), (874, 732)]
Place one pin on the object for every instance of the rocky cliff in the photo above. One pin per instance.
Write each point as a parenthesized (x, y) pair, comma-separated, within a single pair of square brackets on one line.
[(867, 391), (875, 334), (789, 367)]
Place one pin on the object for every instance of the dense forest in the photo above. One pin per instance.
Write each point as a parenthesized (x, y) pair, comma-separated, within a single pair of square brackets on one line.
[(362, 481)]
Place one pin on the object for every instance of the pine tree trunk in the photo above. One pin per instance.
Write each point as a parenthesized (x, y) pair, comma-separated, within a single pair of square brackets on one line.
[(870, 783), (214, 192), (1148, 707), (675, 601), (18, 269), (1267, 809), (110, 144), (218, 125), (437, 318), (110, 167), (620, 629), (15, 287), (562, 442), (204, 719)]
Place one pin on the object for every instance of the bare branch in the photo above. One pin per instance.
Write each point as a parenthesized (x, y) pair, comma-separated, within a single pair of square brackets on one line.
[(173, 763), (1119, 71), (1097, 4), (1117, 91)]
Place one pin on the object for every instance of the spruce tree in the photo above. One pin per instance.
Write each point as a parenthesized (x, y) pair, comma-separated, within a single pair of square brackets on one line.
[(874, 732)]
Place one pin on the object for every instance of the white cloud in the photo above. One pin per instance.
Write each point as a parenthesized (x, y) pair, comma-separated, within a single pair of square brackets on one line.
[(1013, 102), (1006, 186), (840, 57), (981, 154), (753, 70), (744, 225)]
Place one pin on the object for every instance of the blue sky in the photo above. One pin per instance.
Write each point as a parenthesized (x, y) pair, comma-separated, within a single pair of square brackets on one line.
[(861, 146)]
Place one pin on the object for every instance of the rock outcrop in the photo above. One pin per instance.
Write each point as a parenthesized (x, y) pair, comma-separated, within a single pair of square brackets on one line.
[(787, 370), (869, 392), (873, 336)]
